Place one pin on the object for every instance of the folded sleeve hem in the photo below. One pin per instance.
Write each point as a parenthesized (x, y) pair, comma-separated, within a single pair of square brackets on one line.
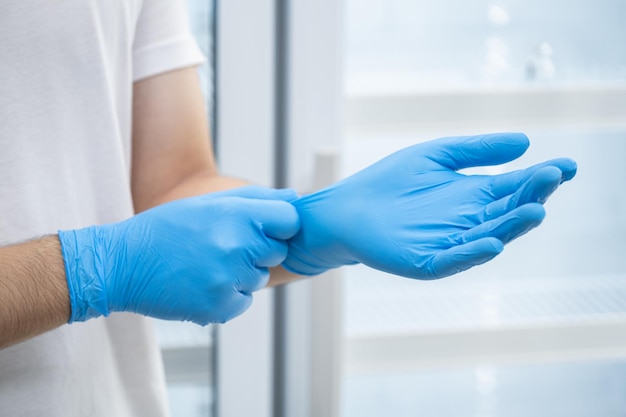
[(165, 56)]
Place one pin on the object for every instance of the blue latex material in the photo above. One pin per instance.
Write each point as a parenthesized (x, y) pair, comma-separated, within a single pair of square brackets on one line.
[(413, 214), (197, 259)]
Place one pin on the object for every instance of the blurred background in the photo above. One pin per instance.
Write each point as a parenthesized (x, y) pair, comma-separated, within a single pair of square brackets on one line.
[(303, 93)]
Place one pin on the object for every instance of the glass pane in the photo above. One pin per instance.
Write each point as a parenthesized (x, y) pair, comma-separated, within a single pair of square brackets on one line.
[(417, 44), (559, 389), (186, 347)]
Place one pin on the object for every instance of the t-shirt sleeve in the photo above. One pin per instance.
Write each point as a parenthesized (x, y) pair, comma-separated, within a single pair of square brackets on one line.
[(163, 39)]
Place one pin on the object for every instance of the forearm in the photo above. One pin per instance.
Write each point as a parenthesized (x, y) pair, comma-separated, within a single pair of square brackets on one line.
[(33, 296), (199, 183), (280, 276)]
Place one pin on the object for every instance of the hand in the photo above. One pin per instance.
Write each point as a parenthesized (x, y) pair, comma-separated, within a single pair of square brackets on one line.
[(412, 214), (197, 259)]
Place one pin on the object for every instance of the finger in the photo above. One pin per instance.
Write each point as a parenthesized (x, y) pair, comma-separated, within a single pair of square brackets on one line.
[(456, 153), (509, 226), (568, 167), (536, 190), (256, 279), (259, 193), (273, 253), (463, 257), (505, 184), (277, 219), (237, 306)]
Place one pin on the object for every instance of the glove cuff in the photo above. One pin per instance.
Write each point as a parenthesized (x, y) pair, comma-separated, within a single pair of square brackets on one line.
[(304, 263), (298, 267), (84, 274)]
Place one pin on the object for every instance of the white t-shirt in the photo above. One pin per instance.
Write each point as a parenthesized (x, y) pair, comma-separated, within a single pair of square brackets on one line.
[(66, 74)]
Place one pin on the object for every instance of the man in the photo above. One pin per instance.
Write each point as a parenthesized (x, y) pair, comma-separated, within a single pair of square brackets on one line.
[(101, 118)]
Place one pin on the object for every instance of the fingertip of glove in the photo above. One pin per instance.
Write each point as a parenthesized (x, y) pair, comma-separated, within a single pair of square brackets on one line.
[(464, 257), (493, 245), (287, 194), (516, 140), (546, 180), (533, 213), (292, 219), (549, 174), (567, 166), (569, 169)]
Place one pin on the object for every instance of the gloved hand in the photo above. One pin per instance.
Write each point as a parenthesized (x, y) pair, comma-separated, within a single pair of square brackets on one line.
[(197, 259), (412, 214)]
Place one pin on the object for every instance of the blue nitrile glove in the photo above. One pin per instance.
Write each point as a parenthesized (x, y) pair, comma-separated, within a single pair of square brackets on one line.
[(412, 214), (197, 259)]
